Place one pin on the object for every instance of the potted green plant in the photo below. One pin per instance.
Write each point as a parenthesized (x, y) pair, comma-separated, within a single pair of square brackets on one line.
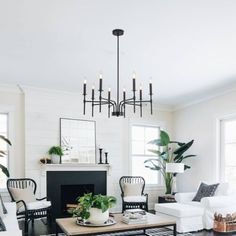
[(2, 154), (94, 208), (56, 152), (168, 152)]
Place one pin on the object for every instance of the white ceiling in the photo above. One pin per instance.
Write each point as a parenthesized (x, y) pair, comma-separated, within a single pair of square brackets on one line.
[(187, 47)]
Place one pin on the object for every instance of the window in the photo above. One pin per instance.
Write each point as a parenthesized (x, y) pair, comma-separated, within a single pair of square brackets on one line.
[(3, 147), (228, 151), (141, 135)]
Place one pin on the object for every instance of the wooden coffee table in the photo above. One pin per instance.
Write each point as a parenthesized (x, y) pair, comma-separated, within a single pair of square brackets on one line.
[(69, 226)]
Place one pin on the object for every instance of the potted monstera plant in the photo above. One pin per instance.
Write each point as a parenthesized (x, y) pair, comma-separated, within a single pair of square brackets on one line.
[(94, 208), (2, 154), (168, 152)]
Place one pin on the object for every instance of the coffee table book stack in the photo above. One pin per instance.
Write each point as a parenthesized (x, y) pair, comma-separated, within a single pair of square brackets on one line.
[(134, 216)]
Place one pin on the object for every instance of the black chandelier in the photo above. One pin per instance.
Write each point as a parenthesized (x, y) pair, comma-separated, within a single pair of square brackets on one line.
[(118, 107)]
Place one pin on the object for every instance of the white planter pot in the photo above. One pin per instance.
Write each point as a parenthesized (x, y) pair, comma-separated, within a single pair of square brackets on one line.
[(55, 159), (97, 216)]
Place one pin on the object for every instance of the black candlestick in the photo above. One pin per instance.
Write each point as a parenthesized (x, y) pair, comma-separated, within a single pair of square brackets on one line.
[(100, 156), (106, 161)]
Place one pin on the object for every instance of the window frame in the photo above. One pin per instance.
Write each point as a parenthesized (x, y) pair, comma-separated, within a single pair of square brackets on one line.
[(161, 126), (221, 145), (10, 111)]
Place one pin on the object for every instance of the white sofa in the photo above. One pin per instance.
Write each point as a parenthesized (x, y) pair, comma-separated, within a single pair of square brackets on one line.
[(222, 202), (188, 218), (10, 221)]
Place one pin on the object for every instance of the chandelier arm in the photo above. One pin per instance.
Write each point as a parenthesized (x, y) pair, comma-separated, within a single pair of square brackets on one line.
[(111, 101), (97, 102)]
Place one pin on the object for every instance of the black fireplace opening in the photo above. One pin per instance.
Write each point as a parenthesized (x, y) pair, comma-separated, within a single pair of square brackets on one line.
[(70, 194), (63, 187)]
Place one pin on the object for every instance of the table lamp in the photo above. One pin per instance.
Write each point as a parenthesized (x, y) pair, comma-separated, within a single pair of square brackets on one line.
[(174, 168)]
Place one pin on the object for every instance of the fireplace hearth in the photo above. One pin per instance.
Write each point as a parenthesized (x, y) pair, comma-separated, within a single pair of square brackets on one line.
[(63, 187)]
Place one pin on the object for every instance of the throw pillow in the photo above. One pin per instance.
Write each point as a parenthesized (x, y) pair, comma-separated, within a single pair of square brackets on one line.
[(3, 206), (2, 225), (133, 189), (25, 194), (205, 190)]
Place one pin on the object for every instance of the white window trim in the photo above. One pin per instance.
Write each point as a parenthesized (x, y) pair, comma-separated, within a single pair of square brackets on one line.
[(162, 126), (220, 158), (10, 110)]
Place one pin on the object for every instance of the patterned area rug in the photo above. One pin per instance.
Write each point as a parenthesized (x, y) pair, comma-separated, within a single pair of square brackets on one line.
[(151, 232)]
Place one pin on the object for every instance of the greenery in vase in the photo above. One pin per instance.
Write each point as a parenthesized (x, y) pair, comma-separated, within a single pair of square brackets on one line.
[(56, 150), (2, 154), (86, 202), (167, 152)]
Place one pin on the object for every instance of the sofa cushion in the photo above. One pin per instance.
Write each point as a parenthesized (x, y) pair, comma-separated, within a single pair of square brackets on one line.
[(134, 189), (179, 210), (35, 205), (205, 190), (135, 199)]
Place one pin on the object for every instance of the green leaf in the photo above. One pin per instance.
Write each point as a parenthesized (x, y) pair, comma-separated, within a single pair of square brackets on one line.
[(179, 143), (151, 159), (188, 156), (183, 148), (4, 170), (164, 137), (157, 142), (163, 141), (153, 168), (5, 139), (186, 167)]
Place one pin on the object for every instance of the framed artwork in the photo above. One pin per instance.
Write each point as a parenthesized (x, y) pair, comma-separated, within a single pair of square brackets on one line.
[(78, 140)]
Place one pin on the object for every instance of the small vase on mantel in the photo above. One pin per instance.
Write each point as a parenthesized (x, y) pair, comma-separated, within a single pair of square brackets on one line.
[(55, 159)]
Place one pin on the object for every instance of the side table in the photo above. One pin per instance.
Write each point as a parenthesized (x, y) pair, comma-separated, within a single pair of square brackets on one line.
[(166, 199)]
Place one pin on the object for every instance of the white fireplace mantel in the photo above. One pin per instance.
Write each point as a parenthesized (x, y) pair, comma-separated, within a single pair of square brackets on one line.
[(74, 167), (68, 167)]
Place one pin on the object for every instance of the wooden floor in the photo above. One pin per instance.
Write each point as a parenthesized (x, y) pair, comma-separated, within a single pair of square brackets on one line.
[(40, 228)]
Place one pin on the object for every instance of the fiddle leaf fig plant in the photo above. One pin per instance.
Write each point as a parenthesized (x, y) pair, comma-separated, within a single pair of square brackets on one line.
[(2, 154), (167, 152)]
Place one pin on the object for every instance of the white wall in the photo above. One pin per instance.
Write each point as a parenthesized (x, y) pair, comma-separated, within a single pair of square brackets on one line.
[(43, 108), (199, 122)]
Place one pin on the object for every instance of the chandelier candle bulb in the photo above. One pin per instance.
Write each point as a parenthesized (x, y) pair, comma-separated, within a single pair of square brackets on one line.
[(84, 90), (100, 83), (134, 84), (93, 93), (150, 87)]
